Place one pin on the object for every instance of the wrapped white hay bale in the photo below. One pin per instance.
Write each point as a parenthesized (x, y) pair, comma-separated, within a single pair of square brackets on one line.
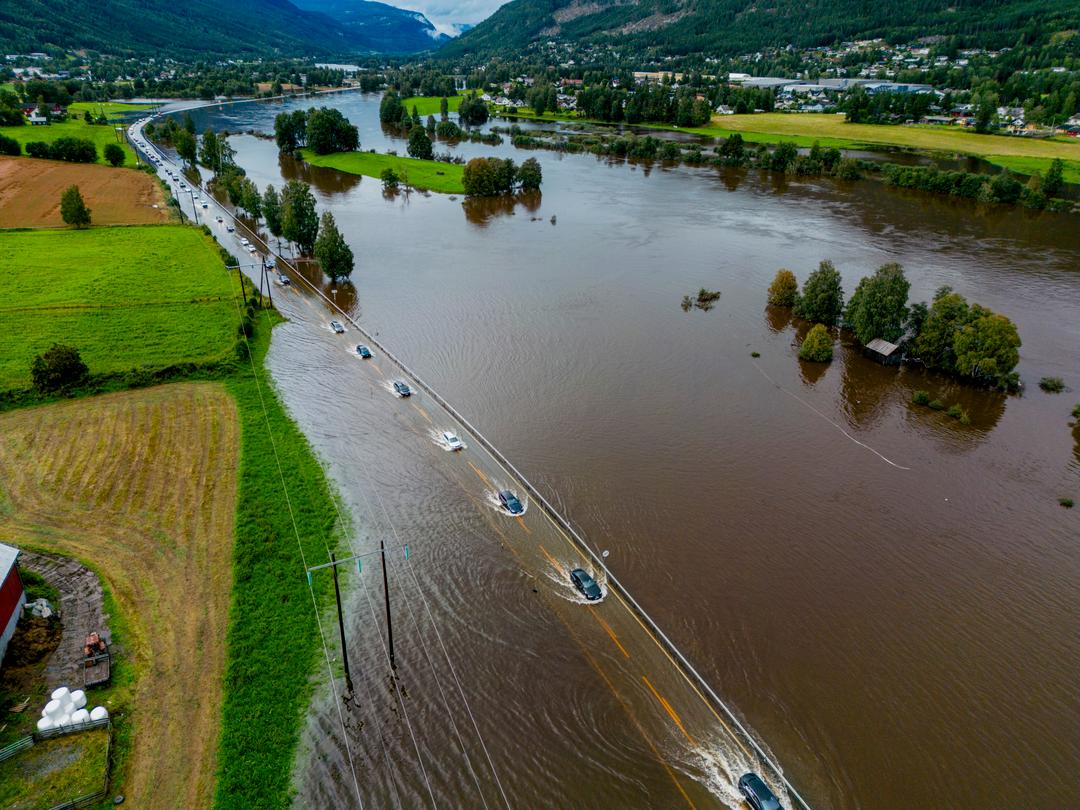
[(80, 716), (53, 709), (78, 699), (61, 693), (99, 713), (44, 724), (63, 721)]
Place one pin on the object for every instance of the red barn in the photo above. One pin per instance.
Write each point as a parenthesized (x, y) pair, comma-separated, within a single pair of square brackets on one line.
[(12, 595)]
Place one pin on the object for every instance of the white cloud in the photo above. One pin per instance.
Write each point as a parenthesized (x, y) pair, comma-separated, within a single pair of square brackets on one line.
[(448, 15)]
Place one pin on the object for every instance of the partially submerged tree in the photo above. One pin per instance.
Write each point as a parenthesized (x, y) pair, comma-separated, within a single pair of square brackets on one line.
[(299, 220), (784, 289), (822, 298), (333, 252), (878, 307), (817, 347)]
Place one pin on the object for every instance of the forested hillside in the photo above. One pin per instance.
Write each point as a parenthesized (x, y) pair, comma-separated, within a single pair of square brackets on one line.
[(727, 27), (202, 27)]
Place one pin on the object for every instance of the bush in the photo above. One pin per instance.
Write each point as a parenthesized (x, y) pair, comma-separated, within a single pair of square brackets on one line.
[(247, 327), (1076, 412), (784, 289), (921, 398), (936, 405), (448, 130), (37, 149), (390, 179), (817, 347), (242, 350), (955, 411), (9, 146), (755, 354), (114, 154), (73, 150), (58, 369), (1066, 502), (1052, 385)]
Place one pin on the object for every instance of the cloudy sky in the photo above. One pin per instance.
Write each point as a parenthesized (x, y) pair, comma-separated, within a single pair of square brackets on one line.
[(447, 15)]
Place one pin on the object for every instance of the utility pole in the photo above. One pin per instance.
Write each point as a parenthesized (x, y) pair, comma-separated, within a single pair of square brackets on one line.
[(341, 625), (269, 281), (386, 596), (243, 290)]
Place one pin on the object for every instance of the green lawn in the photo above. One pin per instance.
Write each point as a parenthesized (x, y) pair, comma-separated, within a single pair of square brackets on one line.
[(74, 127), (429, 105), (159, 292), (429, 175), (114, 110), (54, 771)]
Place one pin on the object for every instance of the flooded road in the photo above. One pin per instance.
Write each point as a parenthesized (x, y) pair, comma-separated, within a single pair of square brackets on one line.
[(886, 596)]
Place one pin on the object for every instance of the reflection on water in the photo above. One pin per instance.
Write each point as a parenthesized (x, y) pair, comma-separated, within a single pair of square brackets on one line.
[(812, 372), (778, 318), (480, 211)]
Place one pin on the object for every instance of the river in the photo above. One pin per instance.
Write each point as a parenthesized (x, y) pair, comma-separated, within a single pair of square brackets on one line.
[(887, 597)]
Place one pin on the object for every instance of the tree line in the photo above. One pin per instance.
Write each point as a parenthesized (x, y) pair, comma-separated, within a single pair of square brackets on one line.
[(964, 340)]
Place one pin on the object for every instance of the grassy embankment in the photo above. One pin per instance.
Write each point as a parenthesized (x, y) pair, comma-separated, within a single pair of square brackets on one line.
[(429, 175), (429, 105), (75, 127), (1023, 155), (170, 446), (30, 193)]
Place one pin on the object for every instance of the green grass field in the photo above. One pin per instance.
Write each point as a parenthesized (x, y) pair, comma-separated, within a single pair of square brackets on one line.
[(429, 175), (159, 292), (116, 284), (113, 110), (1023, 155), (74, 127), (429, 105)]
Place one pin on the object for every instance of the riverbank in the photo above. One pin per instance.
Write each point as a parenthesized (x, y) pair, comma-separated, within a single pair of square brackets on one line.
[(184, 487), (426, 175), (1024, 155)]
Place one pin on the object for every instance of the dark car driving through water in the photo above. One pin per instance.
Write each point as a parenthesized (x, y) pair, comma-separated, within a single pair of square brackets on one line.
[(757, 793), (401, 388), (586, 584), (510, 502)]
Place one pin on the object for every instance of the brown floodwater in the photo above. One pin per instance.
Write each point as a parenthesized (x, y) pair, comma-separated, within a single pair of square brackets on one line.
[(887, 597)]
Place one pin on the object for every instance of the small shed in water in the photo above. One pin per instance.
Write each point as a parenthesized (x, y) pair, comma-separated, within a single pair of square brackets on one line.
[(886, 353)]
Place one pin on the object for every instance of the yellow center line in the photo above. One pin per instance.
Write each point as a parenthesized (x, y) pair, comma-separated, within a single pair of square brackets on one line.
[(671, 712), (476, 470), (521, 520), (421, 411), (550, 559), (610, 632), (708, 703)]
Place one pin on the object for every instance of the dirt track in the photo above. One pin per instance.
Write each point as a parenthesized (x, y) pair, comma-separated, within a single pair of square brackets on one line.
[(30, 192), (142, 486)]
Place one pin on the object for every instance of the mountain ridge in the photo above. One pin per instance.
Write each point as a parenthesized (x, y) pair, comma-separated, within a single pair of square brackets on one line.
[(732, 27), (198, 28)]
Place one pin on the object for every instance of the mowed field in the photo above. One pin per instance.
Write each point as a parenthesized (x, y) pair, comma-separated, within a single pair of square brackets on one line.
[(429, 105), (832, 130), (159, 291), (430, 175), (74, 127), (142, 485), (30, 193)]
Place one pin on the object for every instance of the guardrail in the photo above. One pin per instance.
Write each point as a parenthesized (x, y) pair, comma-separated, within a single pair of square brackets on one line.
[(550, 510)]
